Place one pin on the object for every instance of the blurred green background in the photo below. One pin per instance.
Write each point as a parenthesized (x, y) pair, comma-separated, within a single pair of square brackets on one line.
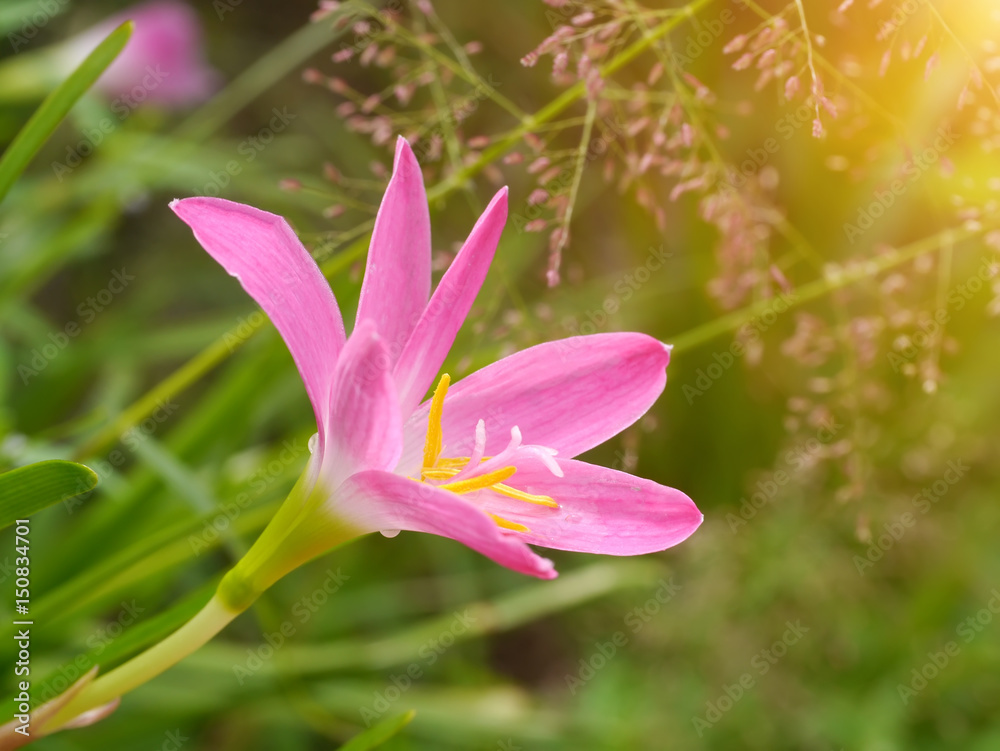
[(844, 451)]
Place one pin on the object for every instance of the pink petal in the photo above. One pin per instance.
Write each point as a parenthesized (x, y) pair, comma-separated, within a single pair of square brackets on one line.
[(600, 510), (397, 279), (375, 500), (163, 62), (570, 395), (435, 332), (365, 428), (263, 253)]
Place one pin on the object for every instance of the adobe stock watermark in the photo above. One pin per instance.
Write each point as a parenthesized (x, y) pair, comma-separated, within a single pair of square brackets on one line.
[(32, 23), (623, 290), (795, 460), (528, 218), (173, 740), (428, 147), (786, 127), (97, 643), (635, 620), (429, 653), (122, 106), (284, 284), (760, 665), (922, 502), (704, 36), (250, 148), (901, 13), (368, 31), (303, 610), (749, 333), (86, 312), (6, 569), (259, 481), (928, 329), (105, 468), (912, 170), (224, 7), (966, 631)]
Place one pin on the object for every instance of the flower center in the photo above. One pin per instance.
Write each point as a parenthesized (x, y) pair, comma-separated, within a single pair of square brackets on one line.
[(465, 474)]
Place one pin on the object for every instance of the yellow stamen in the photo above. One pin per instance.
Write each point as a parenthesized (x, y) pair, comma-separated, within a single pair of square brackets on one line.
[(507, 524), (436, 467), (457, 462), (432, 446), (478, 483), (439, 473), (541, 500)]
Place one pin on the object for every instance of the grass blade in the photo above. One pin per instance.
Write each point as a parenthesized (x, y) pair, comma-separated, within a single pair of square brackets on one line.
[(57, 105), (375, 736), (25, 490)]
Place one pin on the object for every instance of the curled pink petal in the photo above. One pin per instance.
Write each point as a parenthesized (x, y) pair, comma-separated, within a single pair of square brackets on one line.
[(600, 510), (365, 429), (397, 279), (570, 395), (276, 270), (376, 500), (434, 334)]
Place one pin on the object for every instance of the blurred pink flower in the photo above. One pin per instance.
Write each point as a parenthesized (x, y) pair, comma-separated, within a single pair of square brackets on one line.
[(486, 462), (163, 62)]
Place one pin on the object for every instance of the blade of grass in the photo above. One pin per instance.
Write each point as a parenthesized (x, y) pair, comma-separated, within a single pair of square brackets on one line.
[(57, 105), (380, 733), (261, 75), (25, 490)]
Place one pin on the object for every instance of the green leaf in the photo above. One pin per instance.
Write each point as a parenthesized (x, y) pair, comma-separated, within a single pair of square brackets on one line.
[(25, 490), (380, 733), (57, 105)]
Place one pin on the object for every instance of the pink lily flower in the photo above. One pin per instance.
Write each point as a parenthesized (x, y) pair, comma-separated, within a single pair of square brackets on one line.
[(163, 62), (486, 461)]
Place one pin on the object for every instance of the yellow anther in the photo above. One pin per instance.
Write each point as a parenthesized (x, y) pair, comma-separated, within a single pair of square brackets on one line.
[(478, 483), (507, 524), (541, 500), (437, 467), (432, 446)]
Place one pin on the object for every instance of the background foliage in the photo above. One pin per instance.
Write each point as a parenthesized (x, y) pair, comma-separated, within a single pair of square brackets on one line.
[(801, 198)]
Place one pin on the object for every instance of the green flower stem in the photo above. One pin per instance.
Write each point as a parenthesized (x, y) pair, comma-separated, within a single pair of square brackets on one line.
[(295, 534), (209, 621)]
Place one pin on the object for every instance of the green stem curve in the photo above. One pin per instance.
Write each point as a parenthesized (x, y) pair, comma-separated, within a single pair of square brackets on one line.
[(208, 622)]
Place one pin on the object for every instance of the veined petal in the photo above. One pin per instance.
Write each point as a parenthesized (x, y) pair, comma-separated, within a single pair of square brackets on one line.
[(397, 279), (265, 256), (435, 332), (375, 500), (365, 426), (600, 510), (570, 395)]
